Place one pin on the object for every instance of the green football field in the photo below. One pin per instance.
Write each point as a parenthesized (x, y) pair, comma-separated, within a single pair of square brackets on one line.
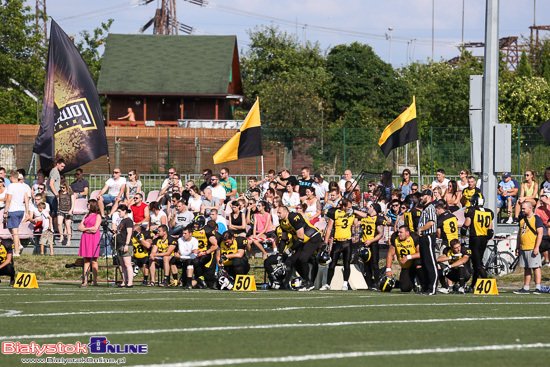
[(274, 328)]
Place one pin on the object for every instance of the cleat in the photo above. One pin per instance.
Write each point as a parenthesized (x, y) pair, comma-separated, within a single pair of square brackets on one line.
[(442, 290), (345, 287), (326, 287), (144, 283), (460, 290)]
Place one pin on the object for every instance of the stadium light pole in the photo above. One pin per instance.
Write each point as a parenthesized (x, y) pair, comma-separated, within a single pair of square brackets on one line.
[(490, 104)]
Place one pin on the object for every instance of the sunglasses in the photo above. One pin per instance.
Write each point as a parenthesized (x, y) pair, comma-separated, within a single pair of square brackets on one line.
[(395, 206), (131, 174), (116, 173), (414, 189), (171, 173)]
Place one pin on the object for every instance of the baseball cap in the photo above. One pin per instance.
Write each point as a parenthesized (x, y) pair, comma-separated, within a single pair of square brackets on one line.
[(319, 175), (427, 192), (506, 175)]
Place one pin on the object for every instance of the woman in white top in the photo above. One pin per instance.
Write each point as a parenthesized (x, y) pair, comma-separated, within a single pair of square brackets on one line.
[(291, 199), (133, 186), (313, 211), (157, 217), (277, 202), (2, 194), (195, 200), (463, 183)]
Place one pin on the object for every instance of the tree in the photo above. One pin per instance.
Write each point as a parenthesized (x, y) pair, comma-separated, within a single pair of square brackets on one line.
[(288, 78), (524, 68), (358, 77), (524, 101), (544, 67), (22, 58)]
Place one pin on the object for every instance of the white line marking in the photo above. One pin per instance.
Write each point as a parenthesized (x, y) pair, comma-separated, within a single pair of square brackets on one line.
[(292, 308), (268, 326), (9, 313), (316, 357)]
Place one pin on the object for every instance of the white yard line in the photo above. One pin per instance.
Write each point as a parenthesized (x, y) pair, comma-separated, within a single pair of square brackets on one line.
[(270, 326), (317, 357), (12, 313)]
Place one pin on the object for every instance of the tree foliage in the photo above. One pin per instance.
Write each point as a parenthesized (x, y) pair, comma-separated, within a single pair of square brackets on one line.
[(524, 101), (22, 59), (524, 68)]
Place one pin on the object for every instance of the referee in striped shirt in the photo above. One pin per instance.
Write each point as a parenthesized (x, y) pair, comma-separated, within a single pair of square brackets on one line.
[(427, 228)]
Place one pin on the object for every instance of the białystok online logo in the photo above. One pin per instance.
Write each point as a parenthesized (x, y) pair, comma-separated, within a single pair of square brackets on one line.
[(97, 345)]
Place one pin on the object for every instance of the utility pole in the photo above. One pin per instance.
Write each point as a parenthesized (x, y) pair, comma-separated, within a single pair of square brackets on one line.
[(490, 104), (40, 16), (390, 29), (433, 28)]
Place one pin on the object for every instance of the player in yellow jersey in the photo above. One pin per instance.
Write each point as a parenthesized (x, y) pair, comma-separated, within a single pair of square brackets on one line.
[(480, 223), (230, 254), (404, 245), (308, 240), (459, 269), (161, 253), (6, 257), (531, 230), (469, 191), (142, 240), (208, 244), (339, 229), (372, 228)]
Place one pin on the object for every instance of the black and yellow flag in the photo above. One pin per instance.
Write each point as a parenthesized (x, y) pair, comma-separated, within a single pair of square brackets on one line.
[(72, 125), (401, 131), (247, 142)]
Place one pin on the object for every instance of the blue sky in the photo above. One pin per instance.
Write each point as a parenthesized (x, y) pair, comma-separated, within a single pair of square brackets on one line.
[(327, 21)]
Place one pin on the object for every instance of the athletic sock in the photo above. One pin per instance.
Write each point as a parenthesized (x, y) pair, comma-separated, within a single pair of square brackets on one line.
[(167, 279), (175, 276), (537, 286), (526, 287), (146, 278)]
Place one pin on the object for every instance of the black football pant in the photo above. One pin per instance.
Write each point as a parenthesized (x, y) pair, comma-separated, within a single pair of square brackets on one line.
[(303, 254), (406, 278), (478, 246), (199, 264), (372, 268), (460, 275), (340, 248), (240, 267), (8, 270), (428, 262)]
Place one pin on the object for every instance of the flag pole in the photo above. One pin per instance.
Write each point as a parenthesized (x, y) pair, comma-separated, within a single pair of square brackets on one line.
[(418, 164)]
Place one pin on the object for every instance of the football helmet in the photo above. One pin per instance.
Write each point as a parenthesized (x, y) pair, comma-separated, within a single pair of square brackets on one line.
[(296, 283), (477, 200), (135, 268), (279, 271), (364, 254), (387, 284), (323, 257), (199, 221), (225, 280)]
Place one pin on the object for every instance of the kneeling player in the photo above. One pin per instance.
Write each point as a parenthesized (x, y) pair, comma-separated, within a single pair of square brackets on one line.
[(6, 257), (406, 246), (142, 240), (231, 256), (459, 269), (284, 241), (188, 248)]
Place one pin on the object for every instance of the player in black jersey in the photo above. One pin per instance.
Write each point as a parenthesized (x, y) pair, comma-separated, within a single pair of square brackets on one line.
[(230, 254), (308, 240), (480, 223), (284, 241), (447, 225), (203, 264), (372, 229), (459, 269), (412, 216), (142, 240), (6, 257)]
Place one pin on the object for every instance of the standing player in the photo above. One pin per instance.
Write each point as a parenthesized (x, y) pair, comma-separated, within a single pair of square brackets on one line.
[(372, 227), (404, 245), (427, 227), (412, 216), (208, 244), (447, 225), (459, 269), (341, 220), (142, 240), (480, 222), (308, 240)]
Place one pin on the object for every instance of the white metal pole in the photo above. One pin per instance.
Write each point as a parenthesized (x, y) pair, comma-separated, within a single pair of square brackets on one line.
[(418, 164)]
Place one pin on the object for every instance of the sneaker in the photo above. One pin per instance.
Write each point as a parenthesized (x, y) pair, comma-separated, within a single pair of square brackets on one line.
[(510, 220), (442, 290), (460, 290), (16, 255), (522, 291), (201, 284), (165, 283), (307, 287), (427, 294), (345, 286), (537, 291), (326, 287)]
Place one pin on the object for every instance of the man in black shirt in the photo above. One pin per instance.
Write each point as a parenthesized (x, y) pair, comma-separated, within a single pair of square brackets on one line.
[(283, 179), (305, 182), (427, 227), (207, 175)]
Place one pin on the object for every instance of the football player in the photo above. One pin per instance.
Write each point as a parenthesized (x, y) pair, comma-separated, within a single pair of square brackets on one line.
[(372, 227), (230, 254), (308, 240), (459, 269), (469, 192), (285, 241), (412, 216), (142, 240), (447, 225), (6, 257), (341, 220), (208, 244), (161, 253), (404, 245), (480, 222)]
